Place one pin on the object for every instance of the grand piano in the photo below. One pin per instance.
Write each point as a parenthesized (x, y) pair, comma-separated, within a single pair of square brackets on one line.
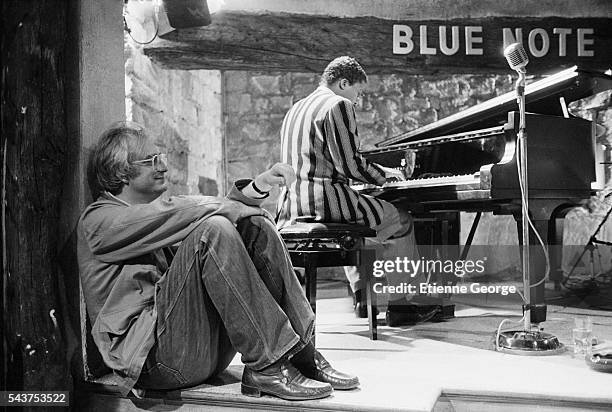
[(468, 162)]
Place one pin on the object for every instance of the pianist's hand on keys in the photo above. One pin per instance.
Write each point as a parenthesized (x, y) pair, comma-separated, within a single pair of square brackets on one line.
[(393, 175), (405, 171)]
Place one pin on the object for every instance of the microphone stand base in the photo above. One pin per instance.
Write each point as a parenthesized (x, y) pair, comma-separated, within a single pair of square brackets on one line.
[(529, 343)]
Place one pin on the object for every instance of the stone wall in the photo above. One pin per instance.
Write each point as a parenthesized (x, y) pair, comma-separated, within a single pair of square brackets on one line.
[(255, 105), (182, 112)]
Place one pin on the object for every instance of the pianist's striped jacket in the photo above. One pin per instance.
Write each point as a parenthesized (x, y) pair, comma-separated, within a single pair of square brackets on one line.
[(318, 138)]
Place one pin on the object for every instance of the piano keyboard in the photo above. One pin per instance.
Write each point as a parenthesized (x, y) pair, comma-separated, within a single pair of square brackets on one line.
[(425, 182)]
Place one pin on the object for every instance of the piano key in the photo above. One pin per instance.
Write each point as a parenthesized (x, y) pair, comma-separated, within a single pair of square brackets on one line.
[(424, 182)]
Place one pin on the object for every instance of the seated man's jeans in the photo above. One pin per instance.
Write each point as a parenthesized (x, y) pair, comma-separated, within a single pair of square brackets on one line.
[(228, 289)]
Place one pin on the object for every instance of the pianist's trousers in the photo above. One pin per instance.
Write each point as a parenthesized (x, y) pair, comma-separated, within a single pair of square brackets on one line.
[(228, 289), (395, 238)]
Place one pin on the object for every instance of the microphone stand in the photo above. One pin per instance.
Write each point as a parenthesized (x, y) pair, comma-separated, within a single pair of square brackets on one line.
[(526, 341), (522, 160)]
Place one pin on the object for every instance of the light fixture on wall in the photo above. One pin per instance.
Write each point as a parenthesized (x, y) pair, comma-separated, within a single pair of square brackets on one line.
[(183, 14)]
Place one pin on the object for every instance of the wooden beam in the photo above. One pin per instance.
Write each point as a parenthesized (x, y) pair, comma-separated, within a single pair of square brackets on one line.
[(306, 43)]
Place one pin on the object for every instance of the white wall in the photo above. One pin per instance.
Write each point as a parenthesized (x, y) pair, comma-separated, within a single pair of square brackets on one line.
[(427, 9)]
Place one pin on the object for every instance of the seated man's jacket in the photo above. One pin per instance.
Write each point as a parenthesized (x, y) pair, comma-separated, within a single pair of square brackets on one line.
[(121, 259)]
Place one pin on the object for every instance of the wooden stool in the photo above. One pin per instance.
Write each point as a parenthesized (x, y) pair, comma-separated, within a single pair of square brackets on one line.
[(314, 244)]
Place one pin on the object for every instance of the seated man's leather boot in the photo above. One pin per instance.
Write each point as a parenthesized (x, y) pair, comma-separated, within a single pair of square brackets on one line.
[(313, 365), (283, 380)]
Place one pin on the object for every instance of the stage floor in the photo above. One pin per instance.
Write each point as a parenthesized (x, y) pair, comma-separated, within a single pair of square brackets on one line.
[(445, 366)]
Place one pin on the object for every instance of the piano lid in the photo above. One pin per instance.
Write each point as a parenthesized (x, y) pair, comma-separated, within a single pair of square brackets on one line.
[(542, 96)]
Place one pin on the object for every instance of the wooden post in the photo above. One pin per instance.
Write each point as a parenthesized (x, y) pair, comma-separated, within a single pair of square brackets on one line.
[(34, 136), (62, 84)]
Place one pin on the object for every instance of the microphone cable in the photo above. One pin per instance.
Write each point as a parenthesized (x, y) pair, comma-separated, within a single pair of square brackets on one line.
[(519, 168)]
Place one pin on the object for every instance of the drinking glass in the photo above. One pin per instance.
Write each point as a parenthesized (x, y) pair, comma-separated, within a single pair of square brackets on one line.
[(582, 335)]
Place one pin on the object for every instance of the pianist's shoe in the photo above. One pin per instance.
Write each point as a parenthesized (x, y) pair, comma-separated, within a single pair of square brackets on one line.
[(403, 312), (360, 305)]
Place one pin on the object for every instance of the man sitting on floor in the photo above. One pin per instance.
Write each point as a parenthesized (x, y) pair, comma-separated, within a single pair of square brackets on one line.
[(167, 318)]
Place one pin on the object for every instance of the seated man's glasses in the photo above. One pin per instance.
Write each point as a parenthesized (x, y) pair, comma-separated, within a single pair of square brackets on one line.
[(158, 161)]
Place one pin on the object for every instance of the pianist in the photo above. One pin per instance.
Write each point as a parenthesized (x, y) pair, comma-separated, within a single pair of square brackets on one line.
[(319, 139)]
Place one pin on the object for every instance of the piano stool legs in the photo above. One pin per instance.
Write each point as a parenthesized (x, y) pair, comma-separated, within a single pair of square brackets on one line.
[(310, 280), (361, 257)]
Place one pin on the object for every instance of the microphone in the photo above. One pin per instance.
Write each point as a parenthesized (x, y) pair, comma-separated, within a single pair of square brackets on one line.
[(516, 56)]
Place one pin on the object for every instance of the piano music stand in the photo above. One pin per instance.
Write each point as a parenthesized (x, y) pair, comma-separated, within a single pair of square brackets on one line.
[(530, 340)]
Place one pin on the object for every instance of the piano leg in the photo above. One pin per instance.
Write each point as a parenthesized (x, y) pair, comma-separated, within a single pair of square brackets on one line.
[(555, 239), (438, 237)]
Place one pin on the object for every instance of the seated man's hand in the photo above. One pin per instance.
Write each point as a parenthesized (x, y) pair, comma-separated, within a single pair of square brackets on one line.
[(281, 174)]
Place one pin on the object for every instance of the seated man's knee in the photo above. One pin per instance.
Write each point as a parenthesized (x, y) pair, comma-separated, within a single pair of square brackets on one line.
[(216, 224), (256, 219), (262, 222)]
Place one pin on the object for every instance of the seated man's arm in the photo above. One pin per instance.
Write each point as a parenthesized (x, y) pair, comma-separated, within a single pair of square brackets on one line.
[(280, 174), (117, 232)]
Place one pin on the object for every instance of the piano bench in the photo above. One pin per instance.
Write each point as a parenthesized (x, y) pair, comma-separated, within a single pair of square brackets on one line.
[(315, 244)]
